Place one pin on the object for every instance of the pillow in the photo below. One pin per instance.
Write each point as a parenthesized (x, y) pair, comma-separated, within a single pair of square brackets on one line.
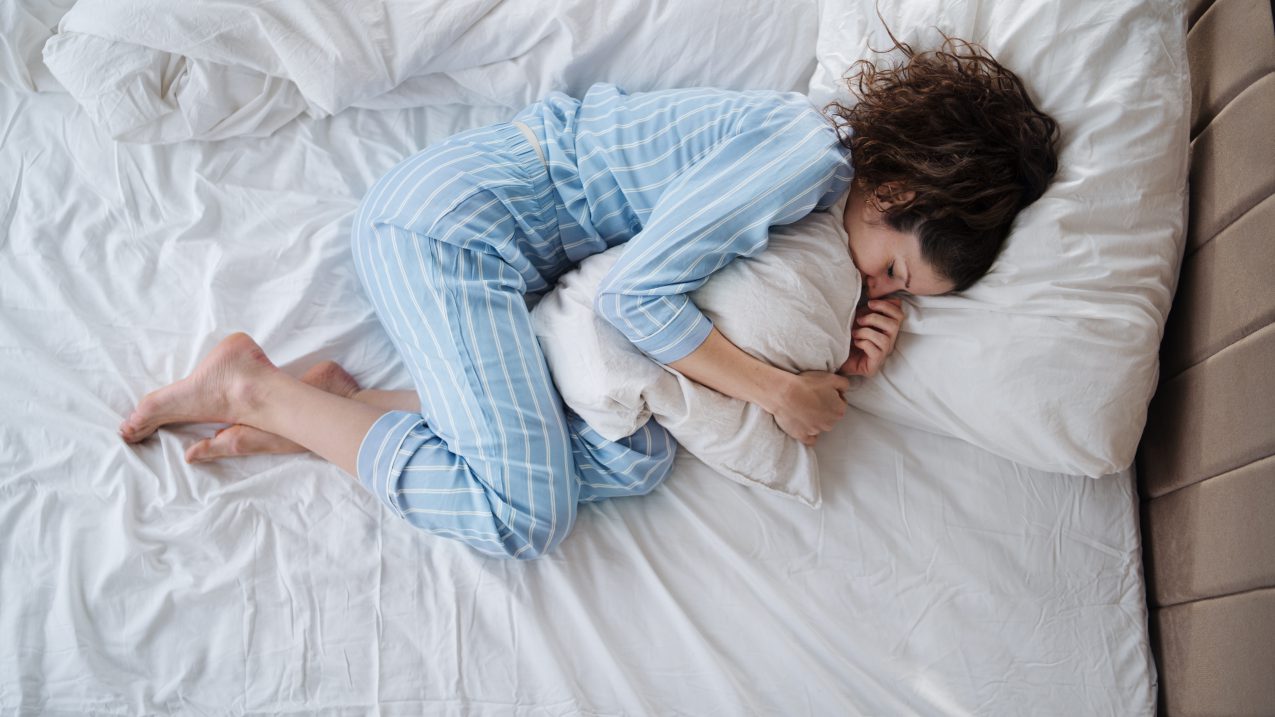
[(1051, 359), (791, 306)]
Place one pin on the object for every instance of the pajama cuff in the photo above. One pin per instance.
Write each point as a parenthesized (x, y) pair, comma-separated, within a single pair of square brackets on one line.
[(380, 459), (679, 337)]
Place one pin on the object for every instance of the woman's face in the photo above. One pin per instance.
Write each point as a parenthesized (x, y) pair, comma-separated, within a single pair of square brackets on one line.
[(889, 261)]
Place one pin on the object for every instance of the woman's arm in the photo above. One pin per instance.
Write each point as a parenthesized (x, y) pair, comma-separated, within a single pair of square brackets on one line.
[(775, 170), (804, 405), (718, 208)]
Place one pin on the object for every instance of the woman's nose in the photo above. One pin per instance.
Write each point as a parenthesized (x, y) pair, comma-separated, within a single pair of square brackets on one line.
[(877, 289)]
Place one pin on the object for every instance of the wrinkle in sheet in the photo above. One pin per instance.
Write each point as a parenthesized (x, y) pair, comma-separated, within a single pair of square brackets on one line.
[(201, 587)]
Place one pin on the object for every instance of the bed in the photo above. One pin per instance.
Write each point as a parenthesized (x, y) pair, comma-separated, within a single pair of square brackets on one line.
[(943, 572)]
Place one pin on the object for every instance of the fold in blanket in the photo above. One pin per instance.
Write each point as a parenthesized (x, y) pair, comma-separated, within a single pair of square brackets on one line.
[(155, 71)]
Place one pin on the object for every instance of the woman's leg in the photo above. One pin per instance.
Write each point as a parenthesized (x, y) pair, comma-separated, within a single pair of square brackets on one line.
[(236, 383), (447, 246), (241, 440), (400, 400), (493, 464)]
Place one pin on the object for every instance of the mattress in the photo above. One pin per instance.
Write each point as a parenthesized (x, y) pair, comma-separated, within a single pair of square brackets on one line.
[(936, 578)]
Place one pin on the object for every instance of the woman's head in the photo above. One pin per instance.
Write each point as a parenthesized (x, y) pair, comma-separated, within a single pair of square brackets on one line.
[(889, 260), (947, 148)]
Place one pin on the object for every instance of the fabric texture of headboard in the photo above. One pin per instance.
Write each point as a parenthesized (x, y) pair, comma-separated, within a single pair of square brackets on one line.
[(1206, 466)]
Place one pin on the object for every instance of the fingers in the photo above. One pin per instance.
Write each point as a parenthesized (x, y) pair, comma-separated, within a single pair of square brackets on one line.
[(875, 356), (872, 351), (835, 407), (852, 367), (876, 331), (892, 307), (802, 435), (881, 306), (819, 410), (888, 324), (841, 383), (878, 339)]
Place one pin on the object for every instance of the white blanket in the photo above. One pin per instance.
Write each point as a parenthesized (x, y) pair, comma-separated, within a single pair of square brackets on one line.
[(157, 71)]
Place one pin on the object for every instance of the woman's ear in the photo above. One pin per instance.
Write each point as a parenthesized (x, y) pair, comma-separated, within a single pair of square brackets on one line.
[(889, 194)]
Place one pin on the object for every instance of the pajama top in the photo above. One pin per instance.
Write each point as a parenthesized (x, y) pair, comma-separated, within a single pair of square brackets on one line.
[(691, 179)]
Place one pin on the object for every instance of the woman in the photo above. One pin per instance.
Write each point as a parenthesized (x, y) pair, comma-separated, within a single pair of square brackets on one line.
[(938, 156)]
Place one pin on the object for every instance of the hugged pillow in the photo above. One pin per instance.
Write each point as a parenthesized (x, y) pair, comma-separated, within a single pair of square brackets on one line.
[(791, 306), (1052, 358)]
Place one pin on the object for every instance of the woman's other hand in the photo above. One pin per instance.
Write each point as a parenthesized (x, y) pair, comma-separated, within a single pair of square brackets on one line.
[(809, 404), (876, 328), (804, 405)]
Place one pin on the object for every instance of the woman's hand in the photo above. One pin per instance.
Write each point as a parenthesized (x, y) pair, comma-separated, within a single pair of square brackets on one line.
[(804, 405), (809, 404), (876, 328)]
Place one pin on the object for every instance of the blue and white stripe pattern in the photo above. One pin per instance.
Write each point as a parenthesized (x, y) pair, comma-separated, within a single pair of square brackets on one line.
[(449, 243), (691, 179)]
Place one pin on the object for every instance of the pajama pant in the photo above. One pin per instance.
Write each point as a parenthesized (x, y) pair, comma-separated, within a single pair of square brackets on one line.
[(447, 246)]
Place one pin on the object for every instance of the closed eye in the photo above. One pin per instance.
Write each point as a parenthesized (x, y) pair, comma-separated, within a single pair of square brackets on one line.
[(889, 270)]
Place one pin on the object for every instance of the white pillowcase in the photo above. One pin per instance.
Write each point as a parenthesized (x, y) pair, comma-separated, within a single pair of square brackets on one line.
[(791, 306), (1052, 359)]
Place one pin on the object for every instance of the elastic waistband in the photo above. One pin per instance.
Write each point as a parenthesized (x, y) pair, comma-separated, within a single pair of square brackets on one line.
[(523, 147), (532, 140)]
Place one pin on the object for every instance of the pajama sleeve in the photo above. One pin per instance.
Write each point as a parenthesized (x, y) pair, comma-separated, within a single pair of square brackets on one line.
[(719, 208)]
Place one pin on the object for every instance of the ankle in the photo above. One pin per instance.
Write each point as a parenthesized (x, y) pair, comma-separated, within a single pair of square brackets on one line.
[(251, 394)]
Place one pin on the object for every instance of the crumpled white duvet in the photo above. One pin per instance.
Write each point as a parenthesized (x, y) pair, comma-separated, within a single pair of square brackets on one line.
[(157, 71)]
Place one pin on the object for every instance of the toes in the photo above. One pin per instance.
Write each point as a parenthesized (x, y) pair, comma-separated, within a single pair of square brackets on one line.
[(152, 412), (239, 440), (208, 394), (200, 452), (134, 429), (225, 443)]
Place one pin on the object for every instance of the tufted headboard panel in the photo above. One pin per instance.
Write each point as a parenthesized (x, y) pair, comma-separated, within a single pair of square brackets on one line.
[(1206, 464)]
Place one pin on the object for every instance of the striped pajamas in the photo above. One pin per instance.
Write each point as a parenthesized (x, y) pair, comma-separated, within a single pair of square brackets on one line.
[(452, 240)]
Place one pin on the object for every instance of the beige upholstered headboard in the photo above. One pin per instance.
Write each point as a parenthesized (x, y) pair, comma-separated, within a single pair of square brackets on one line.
[(1206, 465)]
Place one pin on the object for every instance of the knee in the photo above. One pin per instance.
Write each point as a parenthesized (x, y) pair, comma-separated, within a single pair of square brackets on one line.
[(651, 480), (529, 551), (364, 238), (374, 255), (537, 529), (360, 243), (659, 449), (543, 537), (370, 226)]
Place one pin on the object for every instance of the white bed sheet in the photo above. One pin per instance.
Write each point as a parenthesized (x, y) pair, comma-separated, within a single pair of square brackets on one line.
[(936, 578)]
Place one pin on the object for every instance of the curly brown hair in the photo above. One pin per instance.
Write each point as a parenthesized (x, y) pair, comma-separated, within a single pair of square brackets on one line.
[(959, 130)]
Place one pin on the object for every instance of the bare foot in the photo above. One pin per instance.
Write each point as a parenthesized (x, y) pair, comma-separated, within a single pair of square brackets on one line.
[(241, 440), (213, 393)]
